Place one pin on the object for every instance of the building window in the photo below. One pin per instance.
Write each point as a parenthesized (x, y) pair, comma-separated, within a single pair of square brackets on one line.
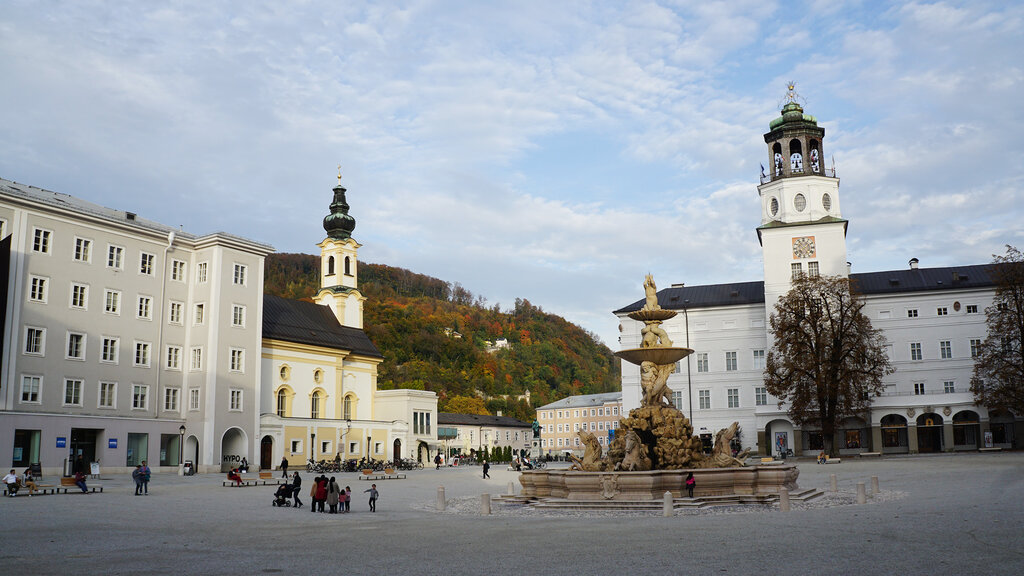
[(72, 392), (949, 387), (108, 353), (918, 388), (142, 354), (812, 269), (37, 290), (584, 427), (144, 311), (318, 376), (759, 360), (108, 395), (238, 315), (915, 350), (193, 399), (35, 341), (941, 311), (41, 240), (79, 296), (175, 312), (140, 396), (174, 357), (201, 273), (677, 399), (112, 302), (196, 362), (796, 269), (975, 348), (702, 362), (30, 387), (282, 403), (239, 275), (178, 270), (237, 360), (972, 308), (76, 346), (314, 405), (730, 361), (704, 398), (733, 395), (912, 313), (761, 396), (83, 250), (347, 408), (115, 257), (146, 263), (593, 411), (200, 314), (171, 399), (945, 350), (235, 401)]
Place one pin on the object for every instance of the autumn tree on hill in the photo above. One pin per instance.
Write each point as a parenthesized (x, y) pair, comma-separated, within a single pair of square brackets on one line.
[(827, 361), (464, 405), (998, 379)]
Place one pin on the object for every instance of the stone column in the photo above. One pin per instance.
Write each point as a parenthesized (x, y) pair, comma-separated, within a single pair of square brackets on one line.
[(912, 438), (947, 435), (876, 438)]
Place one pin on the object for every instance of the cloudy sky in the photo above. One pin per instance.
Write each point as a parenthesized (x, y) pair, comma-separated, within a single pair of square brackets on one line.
[(553, 151)]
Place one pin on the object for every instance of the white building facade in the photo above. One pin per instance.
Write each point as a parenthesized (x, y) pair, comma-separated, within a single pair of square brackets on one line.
[(933, 319)]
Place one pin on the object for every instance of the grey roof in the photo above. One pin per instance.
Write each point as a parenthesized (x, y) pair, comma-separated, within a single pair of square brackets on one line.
[(868, 283), (451, 418), (123, 217), (584, 400), (314, 324)]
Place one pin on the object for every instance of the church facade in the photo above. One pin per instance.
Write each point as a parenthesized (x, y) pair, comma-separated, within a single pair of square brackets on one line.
[(933, 319)]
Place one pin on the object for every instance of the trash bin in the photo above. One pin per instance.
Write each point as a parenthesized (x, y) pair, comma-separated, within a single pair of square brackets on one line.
[(189, 469)]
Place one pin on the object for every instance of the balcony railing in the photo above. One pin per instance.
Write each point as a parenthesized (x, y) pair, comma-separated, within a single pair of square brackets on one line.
[(826, 172)]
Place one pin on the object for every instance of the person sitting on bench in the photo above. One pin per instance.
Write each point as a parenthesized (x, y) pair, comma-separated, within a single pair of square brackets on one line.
[(12, 482), (29, 481), (80, 481), (234, 477)]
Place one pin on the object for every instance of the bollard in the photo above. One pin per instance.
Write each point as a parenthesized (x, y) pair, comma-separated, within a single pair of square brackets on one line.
[(440, 499), (667, 509), (874, 485), (861, 496), (511, 488), (832, 482), (784, 499), (485, 504)]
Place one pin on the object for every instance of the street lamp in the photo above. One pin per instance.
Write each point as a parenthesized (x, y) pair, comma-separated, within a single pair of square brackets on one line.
[(181, 450), (689, 381), (312, 446)]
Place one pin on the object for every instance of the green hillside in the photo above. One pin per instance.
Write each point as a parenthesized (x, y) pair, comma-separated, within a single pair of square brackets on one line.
[(434, 336)]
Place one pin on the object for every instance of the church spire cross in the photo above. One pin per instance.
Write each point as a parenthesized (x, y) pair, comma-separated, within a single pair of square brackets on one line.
[(339, 174)]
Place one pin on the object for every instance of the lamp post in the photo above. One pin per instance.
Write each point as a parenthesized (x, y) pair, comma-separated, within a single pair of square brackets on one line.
[(689, 381), (181, 450), (312, 446)]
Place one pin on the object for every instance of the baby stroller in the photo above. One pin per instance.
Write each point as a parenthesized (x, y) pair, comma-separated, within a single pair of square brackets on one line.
[(281, 497)]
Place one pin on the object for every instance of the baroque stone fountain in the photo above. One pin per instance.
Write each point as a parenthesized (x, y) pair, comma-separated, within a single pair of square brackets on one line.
[(654, 447)]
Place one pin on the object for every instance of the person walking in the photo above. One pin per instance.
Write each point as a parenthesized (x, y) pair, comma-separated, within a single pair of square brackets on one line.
[(284, 467), (487, 467), (137, 478), (296, 486), (690, 485), (333, 496), (373, 497), (145, 473), (437, 461)]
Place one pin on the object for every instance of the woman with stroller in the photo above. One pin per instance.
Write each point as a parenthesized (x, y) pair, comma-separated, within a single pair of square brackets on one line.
[(281, 496), (296, 486)]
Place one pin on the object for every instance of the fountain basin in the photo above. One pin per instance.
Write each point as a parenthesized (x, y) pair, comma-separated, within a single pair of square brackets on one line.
[(658, 355)]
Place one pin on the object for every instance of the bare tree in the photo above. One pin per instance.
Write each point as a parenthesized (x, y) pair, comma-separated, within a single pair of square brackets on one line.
[(998, 379), (827, 361)]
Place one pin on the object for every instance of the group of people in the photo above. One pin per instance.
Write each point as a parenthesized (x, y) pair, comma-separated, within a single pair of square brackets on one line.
[(14, 483), (141, 476), (325, 492)]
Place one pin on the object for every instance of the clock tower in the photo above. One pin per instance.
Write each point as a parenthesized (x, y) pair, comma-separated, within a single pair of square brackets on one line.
[(339, 288), (802, 230)]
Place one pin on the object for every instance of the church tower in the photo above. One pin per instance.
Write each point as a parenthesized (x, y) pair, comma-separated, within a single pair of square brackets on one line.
[(338, 264), (802, 230)]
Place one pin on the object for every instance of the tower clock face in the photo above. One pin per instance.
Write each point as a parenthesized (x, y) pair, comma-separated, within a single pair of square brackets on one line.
[(803, 247)]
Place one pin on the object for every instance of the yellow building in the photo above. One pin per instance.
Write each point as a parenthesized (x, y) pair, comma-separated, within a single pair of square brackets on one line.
[(319, 396)]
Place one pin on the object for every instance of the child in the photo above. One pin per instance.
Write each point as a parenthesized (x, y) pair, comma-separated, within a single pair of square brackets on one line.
[(373, 497)]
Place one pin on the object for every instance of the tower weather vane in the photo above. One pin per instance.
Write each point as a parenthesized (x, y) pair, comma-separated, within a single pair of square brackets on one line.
[(791, 94), (339, 174)]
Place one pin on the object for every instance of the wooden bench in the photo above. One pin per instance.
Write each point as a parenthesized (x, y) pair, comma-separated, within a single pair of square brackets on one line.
[(41, 490), (870, 454), (830, 460), (265, 479), (67, 484), (389, 474)]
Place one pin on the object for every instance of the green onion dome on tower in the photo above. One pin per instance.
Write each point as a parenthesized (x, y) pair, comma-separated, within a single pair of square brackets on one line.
[(339, 224)]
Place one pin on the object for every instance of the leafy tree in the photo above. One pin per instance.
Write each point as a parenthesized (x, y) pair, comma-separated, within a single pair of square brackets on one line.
[(827, 361), (998, 379), (465, 405)]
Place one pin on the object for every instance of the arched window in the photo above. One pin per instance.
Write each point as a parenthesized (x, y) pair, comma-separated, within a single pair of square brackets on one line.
[(347, 407), (330, 265), (282, 403), (796, 157), (314, 405), (777, 158), (348, 266), (813, 158)]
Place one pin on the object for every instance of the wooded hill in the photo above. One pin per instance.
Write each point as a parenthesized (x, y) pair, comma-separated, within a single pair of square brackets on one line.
[(434, 336)]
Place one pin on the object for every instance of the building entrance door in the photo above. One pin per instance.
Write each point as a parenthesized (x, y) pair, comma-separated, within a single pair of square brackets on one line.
[(83, 443), (266, 453)]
